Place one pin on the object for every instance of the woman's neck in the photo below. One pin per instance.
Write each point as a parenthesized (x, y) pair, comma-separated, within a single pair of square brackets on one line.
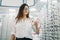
[(24, 17)]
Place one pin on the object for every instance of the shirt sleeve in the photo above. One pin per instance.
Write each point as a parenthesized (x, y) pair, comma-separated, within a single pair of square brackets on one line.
[(34, 29), (13, 29)]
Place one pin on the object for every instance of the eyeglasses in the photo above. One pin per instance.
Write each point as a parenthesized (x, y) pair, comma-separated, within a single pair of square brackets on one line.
[(25, 8)]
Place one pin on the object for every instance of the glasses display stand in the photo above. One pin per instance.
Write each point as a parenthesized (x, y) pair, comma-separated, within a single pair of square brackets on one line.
[(52, 31)]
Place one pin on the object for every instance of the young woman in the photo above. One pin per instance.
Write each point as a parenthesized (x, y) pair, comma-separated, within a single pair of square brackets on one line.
[(22, 29)]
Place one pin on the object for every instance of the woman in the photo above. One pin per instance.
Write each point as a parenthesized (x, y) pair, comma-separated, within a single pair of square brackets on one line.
[(23, 26)]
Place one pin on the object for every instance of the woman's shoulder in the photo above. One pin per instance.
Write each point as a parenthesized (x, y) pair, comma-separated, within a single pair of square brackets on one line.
[(30, 19)]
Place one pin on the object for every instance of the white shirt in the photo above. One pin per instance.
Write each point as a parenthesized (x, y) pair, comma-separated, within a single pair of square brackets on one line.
[(23, 28)]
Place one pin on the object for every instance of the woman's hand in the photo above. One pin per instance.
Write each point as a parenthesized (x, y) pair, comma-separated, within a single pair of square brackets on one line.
[(36, 26), (12, 37)]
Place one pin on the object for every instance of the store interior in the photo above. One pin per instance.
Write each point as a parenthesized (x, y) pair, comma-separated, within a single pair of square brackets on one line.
[(47, 12)]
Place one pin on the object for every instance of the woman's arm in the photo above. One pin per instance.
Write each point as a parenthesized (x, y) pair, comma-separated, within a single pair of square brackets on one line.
[(13, 29), (13, 34), (12, 37), (36, 26)]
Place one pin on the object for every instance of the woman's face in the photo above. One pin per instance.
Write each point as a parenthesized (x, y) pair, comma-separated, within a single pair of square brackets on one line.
[(26, 10)]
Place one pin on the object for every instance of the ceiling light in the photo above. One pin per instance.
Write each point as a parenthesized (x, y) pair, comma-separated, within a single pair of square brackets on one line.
[(32, 9), (12, 10), (43, 0)]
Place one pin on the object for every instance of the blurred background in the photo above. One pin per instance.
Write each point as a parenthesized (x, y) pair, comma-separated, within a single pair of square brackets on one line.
[(47, 11)]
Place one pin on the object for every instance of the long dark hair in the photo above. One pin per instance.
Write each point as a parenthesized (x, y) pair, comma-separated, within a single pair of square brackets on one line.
[(20, 13)]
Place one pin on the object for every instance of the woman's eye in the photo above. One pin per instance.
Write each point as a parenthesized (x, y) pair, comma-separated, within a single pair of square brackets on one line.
[(26, 8)]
